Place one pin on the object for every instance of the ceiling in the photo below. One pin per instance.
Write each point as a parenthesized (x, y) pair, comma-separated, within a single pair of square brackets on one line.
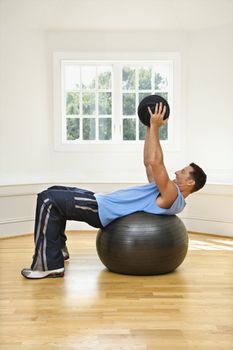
[(117, 15)]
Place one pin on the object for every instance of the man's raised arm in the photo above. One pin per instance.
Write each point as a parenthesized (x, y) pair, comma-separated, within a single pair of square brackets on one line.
[(167, 188), (149, 172)]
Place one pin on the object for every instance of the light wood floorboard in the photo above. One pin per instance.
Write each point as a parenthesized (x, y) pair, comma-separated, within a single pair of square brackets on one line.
[(92, 308)]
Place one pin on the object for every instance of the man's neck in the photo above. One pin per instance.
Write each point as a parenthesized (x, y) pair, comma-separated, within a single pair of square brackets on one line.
[(185, 192)]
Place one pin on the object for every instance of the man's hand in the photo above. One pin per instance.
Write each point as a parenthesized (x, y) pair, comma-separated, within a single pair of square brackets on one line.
[(156, 118)]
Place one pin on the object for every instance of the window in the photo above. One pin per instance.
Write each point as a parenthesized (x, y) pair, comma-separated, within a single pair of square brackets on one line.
[(96, 101), (87, 101), (139, 81)]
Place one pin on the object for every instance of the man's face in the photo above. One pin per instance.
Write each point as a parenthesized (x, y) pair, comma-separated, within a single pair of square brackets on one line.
[(183, 176)]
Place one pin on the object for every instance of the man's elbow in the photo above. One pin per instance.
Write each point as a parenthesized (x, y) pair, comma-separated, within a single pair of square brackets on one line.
[(153, 162), (146, 162)]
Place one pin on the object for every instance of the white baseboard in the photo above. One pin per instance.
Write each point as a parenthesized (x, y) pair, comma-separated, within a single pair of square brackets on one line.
[(219, 228), (16, 227)]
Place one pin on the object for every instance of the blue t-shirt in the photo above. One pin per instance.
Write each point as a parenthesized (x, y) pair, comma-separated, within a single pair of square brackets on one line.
[(132, 199)]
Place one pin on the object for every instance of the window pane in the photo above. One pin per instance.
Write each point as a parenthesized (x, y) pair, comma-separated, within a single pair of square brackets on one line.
[(129, 104), (128, 78), (142, 131), (105, 128), (72, 77), (142, 95), (161, 77), (163, 132), (72, 128), (163, 94), (105, 103), (88, 103), (104, 78), (144, 76), (129, 129), (88, 74), (88, 128), (72, 103)]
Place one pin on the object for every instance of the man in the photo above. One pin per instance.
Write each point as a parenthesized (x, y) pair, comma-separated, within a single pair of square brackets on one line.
[(58, 203)]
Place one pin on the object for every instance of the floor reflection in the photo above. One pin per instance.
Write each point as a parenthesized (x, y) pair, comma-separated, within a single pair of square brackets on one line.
[(210, 244)]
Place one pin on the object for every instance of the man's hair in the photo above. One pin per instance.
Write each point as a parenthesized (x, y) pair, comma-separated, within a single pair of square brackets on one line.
[(199, 176)]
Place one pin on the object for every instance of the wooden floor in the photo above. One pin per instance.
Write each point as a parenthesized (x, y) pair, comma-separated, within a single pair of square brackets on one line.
[(92, 308)]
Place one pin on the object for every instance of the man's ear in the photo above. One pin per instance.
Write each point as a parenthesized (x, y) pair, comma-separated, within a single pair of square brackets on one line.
[(191, 182)]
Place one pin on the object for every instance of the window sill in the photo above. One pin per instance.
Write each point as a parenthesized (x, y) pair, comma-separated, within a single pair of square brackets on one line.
[(113, 147)]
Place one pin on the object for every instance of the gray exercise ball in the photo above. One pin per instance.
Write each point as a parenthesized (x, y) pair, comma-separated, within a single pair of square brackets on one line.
[(143, 244)]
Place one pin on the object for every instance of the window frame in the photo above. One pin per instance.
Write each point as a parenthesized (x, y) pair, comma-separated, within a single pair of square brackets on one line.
[(118, 59)]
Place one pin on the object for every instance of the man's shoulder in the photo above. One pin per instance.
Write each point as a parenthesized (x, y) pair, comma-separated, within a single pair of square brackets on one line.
[(166, 200)]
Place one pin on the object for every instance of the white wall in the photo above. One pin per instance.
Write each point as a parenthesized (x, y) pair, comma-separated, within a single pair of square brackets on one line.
[(30, 118), (209, 101), (26, 110), (26, 139)]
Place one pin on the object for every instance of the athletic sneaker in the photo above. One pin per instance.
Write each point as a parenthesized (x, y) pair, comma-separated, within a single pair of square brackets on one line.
[(29, 273), (65, 252)]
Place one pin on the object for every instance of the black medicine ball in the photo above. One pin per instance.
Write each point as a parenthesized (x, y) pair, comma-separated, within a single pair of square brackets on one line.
[(151, 101)]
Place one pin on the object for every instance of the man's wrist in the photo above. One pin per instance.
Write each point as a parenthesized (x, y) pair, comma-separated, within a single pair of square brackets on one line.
[(154, 127)]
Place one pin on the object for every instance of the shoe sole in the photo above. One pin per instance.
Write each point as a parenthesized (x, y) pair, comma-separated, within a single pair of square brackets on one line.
[(44, 274)]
